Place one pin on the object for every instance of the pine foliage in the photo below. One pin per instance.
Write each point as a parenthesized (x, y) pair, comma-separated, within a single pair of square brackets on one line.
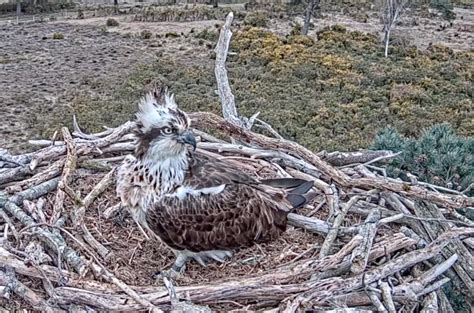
[(438, 156)]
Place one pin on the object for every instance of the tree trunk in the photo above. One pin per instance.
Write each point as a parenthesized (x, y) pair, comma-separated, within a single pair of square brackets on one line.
[(18, 11), (309, 12), (387, 40), (18, 7), (215, 3)]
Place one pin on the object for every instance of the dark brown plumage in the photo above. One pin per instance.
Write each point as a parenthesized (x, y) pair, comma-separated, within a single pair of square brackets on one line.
[(244, 213), (201, 207)]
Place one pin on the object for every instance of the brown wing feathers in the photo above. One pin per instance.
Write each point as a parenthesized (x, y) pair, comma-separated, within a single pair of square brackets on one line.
[(245, 212), (236, 219)]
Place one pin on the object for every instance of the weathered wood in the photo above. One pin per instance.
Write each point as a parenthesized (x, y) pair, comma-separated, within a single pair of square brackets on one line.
[(205, 119), (248, 289), (430, 303), (9, 279), (312, 5), (69, 167), (387, 297), (465, 267), (310, 224), (376, 302), (53, 241), (358, 157), (332, 234), (53, 171), (360, 255), (229, 110)]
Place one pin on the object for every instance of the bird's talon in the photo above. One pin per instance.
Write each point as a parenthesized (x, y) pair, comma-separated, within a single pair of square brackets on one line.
[(170, 274)]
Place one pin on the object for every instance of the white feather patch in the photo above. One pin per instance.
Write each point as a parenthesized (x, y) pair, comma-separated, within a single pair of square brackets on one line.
[(184, 191), (203, 257), (154, 114)]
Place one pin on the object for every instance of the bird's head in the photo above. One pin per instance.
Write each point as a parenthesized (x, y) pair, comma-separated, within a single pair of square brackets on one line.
[(163, 129)]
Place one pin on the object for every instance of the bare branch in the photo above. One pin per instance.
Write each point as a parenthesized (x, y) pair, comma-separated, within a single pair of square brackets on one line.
[(331, 237), (69, 167), (8, 278), (229, 110)]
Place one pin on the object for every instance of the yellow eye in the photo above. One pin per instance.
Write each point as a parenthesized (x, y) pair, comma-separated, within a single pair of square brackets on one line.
[(167, 131)]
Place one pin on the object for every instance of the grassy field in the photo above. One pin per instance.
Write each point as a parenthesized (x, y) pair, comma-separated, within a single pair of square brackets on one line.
[(332, 90), (333, 94)]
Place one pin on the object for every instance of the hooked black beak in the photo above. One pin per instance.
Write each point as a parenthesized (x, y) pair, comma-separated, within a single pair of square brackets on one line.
[(188, 138)]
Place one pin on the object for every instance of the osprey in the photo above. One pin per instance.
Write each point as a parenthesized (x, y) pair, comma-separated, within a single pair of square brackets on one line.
[(203, 208)]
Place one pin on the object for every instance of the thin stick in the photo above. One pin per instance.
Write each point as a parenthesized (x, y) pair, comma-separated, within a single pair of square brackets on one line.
[(69, 167), (331, 237), (360, 255), (9, 222), (376, 301), (106, 181), (53, 241), (268, 127), (387, 297), (102, 271), (8, 278)]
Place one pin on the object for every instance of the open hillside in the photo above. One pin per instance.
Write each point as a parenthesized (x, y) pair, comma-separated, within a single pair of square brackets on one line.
[(306, 87)]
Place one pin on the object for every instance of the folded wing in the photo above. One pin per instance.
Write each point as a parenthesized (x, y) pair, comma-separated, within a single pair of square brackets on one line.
[(219, 207)]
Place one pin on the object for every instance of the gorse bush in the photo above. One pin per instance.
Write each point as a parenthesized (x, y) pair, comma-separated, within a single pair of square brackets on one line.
[(38, 6), (146, 34), (111, 22), (58, 36), (438, 156), (256, 19), (209, 35)]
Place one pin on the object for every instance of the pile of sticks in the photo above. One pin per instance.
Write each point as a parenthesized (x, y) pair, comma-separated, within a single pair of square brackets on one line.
[(412, 240)]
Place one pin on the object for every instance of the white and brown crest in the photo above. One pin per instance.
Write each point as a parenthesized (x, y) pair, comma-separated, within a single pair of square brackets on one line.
[(159, 109)]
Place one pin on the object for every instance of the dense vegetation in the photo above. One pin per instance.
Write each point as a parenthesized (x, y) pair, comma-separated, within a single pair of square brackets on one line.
[(335, 93), (439, 156), (38, 6)]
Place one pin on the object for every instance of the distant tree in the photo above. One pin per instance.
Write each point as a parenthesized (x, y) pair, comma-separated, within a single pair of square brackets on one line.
[(18, 7), (215, 3), (392, 11), (312, 5)]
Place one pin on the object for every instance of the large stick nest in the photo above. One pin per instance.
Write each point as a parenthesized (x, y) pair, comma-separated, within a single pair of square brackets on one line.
[(364, 234), (367, 241)]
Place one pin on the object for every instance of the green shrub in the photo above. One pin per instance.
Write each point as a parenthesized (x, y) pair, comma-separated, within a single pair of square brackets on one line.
[(171, 35), (206, 34), (111, 22), (146, 34), (256, 19), (335, 93), (80, 14), (438, 156), (58, 36), (296, 29)]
